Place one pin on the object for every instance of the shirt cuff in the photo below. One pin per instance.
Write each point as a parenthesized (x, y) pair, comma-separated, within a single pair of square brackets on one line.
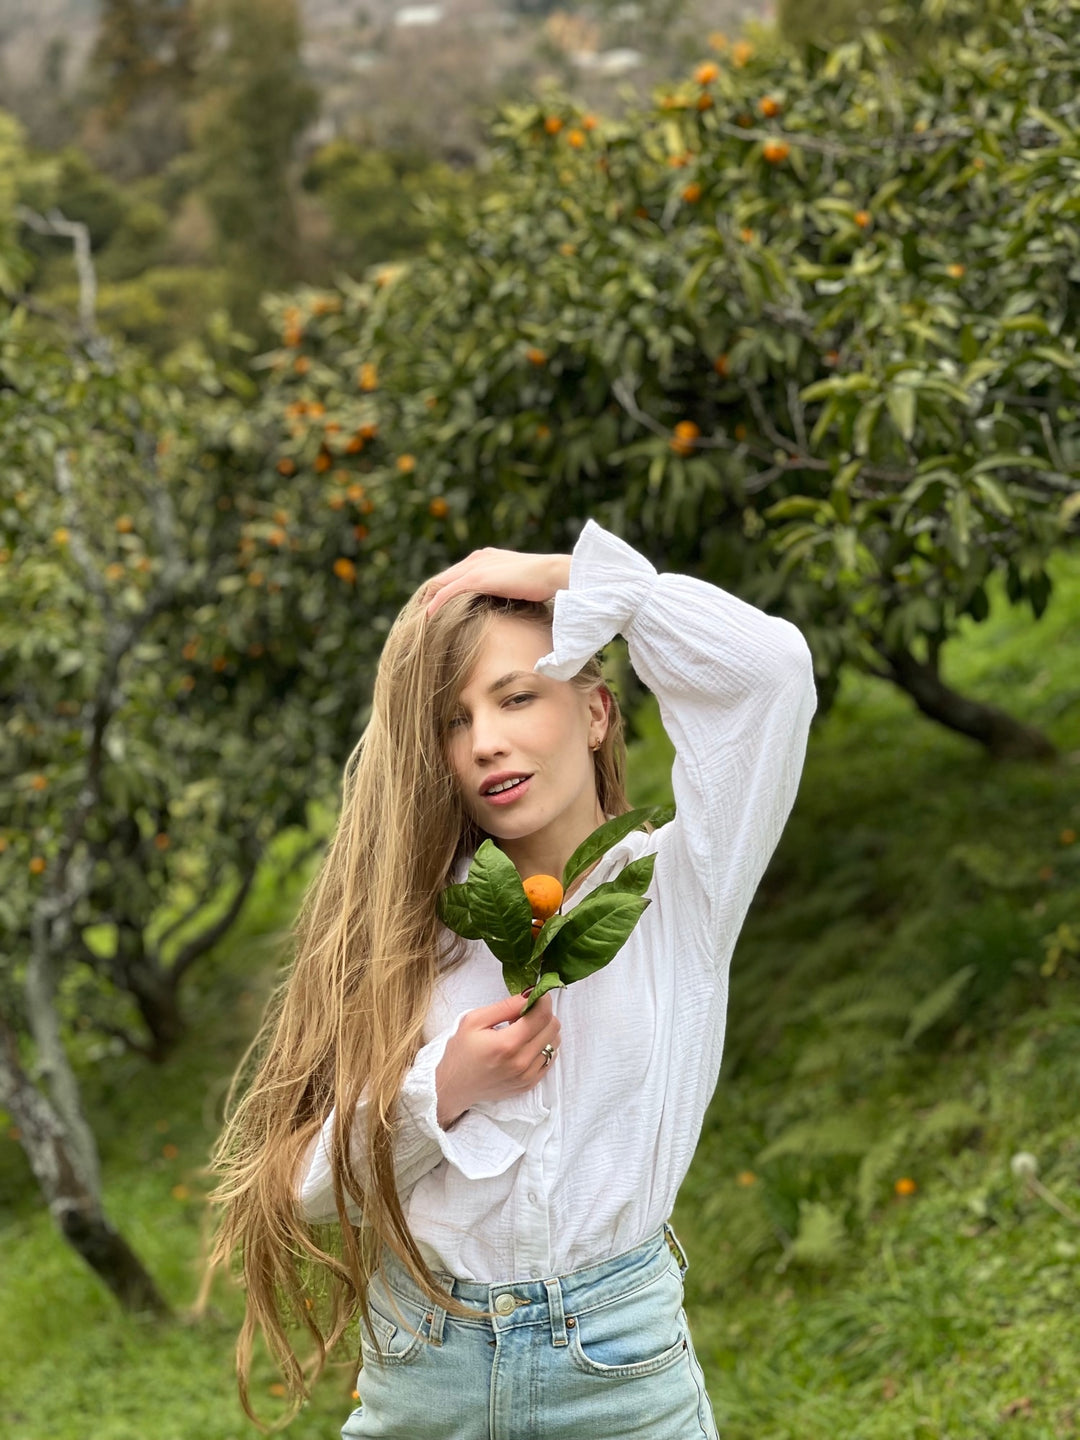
[(484, 1141), (609, 582)]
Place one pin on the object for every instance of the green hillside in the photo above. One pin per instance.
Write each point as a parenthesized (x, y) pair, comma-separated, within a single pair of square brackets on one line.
[(905, 1007)]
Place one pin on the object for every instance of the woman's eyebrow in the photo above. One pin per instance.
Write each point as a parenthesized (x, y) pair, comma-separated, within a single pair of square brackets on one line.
[(509, 679)]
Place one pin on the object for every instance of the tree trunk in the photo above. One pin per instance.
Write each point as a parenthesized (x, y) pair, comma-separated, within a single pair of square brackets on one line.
[(1004, 737), (70, 1193)]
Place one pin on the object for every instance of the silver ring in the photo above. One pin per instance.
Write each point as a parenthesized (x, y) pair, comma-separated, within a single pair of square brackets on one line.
[(548, 1053)]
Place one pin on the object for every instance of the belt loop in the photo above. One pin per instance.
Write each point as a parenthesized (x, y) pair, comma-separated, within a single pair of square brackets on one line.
[(676, 1249), (558, 1315), (438, 1312)]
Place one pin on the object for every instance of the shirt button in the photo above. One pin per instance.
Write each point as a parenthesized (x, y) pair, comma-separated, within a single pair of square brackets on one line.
[(532, 1197)]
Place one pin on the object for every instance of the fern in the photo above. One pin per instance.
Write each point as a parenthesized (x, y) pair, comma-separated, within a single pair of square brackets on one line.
[(879, 1162), (821, 1239), (811, 1139), (937, 1004)]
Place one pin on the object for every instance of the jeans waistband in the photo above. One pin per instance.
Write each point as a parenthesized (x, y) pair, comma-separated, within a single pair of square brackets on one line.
[(550, 1299)]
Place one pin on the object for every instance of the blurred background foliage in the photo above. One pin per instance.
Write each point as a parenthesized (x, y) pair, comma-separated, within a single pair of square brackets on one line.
[(792, 307)]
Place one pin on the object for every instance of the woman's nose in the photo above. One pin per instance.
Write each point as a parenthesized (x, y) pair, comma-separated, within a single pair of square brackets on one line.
[(487, 737)]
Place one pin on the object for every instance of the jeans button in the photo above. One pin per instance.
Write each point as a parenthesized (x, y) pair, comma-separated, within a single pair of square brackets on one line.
[(504, 1304)]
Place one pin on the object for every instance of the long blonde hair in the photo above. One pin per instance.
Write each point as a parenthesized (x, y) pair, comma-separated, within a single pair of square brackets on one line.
[(349, 1016)]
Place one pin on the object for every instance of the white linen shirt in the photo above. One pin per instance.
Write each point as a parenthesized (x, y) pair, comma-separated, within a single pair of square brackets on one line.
[(588, 1163)]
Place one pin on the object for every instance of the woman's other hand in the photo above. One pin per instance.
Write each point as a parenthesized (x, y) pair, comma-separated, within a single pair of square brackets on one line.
[(507, 573), (484, 1063)]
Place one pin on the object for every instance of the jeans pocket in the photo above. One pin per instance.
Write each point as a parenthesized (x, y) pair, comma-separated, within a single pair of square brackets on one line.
[(394, 1339), (633, 1335)]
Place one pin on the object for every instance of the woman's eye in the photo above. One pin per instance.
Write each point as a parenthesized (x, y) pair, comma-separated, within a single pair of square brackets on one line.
[(514, 698)]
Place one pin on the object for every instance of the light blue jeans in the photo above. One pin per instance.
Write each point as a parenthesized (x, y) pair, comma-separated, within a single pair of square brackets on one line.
[(602, 1353)]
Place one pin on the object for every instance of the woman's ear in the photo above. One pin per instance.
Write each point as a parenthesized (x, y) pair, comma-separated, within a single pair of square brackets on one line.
[(599, 714)]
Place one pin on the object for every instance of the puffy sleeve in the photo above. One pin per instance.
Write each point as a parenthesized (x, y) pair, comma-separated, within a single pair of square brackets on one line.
[(483, 1142), (736, 694)]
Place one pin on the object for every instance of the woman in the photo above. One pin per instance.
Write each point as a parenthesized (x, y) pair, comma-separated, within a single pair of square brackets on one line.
[(501, 1183)]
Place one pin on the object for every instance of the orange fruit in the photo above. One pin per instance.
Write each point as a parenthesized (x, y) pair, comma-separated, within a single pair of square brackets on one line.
[(576, 138), (692, 193), (956, 271), (863, 218), (905, 1186), (367, 377), (589, 122), (406, 464), (775, 151), (439, 508), (686, 433), (37, 865), (125, 524), (769, 106), (707, 72), (345, 569), (741, 52), (705, 102), (301, 364), (720, 365), (552, 124), (544, 894), (535, 356)]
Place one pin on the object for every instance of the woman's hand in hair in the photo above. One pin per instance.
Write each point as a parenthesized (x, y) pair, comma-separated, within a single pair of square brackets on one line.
[(509, 574), (484, 1063)]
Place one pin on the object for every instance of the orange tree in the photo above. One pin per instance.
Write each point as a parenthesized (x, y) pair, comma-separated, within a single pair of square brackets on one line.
[(172, 695), (806, 327)]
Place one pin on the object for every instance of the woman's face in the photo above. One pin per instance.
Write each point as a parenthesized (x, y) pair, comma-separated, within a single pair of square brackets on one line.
[(510, 723)]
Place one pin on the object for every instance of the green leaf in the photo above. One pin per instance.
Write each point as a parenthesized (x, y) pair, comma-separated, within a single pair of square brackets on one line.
[(595, 931), (633, 879), (602, 839), (548, 981), (791, 506), (498, 905), (864, 426), (994, 493), (901, 404), (452, 907)]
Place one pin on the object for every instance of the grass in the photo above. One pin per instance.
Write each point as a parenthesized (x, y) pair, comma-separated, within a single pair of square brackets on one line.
[(890, 1019)]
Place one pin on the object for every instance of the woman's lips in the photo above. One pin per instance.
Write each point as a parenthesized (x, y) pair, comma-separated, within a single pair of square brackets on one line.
[(504, 797)]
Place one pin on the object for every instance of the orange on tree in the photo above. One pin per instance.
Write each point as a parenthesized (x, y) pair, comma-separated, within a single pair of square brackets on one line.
[(576, 138), (544, 894), (705, 102), (741, 52), (692, 193), (125, 524), (439, 508), (344, 569), (775, 151), (552, 124), (685, 437), (707, 72), (720, 364), (769, 106), (286, 466), (37, 864), (863, 218), (536, 356), (367, 377), (406, 464)]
